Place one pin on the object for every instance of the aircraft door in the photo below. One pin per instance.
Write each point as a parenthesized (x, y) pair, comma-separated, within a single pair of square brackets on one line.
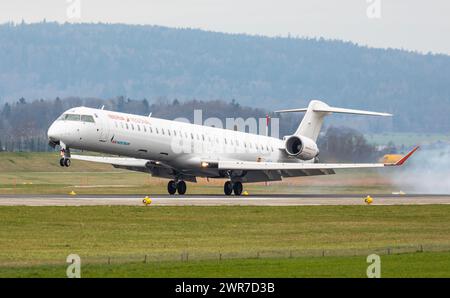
[(102, 127)]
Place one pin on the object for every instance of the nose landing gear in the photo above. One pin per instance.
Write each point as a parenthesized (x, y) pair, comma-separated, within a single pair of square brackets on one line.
[(174, 186), (65, 156), (235, 187), (64, 162)]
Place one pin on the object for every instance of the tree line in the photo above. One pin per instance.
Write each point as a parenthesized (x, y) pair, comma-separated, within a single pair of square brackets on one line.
[(46, 60)]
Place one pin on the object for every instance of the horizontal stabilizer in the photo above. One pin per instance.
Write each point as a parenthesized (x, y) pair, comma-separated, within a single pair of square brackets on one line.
[(336, 110), (292, 110), (349, 111)]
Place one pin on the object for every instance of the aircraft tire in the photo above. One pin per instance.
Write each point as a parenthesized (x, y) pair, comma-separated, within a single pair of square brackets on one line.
[(171, 187), (181, 187), (61, 162), (237, 188), (228, 188), (67, 162)]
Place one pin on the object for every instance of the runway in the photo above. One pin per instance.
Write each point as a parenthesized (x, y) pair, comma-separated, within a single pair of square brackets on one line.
[(221, 200)]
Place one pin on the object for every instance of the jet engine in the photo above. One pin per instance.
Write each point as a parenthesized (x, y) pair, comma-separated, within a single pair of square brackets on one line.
[(301, 147)]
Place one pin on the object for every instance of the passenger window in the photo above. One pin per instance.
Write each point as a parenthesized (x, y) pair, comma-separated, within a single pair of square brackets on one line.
[(132, 126), (168, 132), (162, 131), (157, 131), (126, 124), (145, 128), (139, 127), (151, 130)]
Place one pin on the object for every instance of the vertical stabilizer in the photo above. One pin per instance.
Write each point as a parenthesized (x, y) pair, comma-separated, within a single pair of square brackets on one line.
[(312, 121)]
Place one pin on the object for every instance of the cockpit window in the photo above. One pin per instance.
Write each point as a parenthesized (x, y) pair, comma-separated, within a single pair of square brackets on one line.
[(70, 117), (87, 118), (76, 117)]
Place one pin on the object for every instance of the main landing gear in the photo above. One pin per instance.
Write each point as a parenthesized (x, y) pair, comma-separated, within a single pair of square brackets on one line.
[(235, 187), (176, 186)]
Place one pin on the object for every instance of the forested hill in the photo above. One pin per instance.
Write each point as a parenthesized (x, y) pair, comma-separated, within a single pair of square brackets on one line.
[(47, 60)]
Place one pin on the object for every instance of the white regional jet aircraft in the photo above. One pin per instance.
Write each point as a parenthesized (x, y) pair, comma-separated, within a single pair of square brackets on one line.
[(182, 151)]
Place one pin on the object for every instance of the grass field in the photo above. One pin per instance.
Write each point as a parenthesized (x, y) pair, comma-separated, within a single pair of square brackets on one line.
[(218, 241), (401, 265), (37, 240), (40, 173)]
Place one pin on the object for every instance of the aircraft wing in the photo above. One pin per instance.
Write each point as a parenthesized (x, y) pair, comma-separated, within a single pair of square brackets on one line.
[(155, 168), (283, 166), (114, 161)]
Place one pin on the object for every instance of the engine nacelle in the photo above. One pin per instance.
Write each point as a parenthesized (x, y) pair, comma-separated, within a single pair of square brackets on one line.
[(301, 147)]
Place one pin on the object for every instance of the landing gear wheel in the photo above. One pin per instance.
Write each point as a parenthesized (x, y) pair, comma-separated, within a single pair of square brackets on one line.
[(67, 162), (61, 162), (237, 188), (228, 188), (181, 187), (171, 187)]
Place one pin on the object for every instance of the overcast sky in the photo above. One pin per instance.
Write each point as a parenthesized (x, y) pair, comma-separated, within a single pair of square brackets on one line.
[(410, 24)]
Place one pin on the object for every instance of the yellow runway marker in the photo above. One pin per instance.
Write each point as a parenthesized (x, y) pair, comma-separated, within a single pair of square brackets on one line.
[(368, 200), (147, 201)]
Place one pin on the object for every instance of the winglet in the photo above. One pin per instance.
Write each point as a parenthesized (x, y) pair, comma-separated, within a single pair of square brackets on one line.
[(404, 158)]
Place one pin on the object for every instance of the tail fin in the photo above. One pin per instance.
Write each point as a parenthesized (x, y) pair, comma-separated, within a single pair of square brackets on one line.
[(315, 113)]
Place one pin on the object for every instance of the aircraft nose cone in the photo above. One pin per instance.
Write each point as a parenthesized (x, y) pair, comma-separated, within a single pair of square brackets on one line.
[(53, 133)]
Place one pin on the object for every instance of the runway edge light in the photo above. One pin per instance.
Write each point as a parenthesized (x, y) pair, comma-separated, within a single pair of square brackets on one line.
[(368, 200)]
